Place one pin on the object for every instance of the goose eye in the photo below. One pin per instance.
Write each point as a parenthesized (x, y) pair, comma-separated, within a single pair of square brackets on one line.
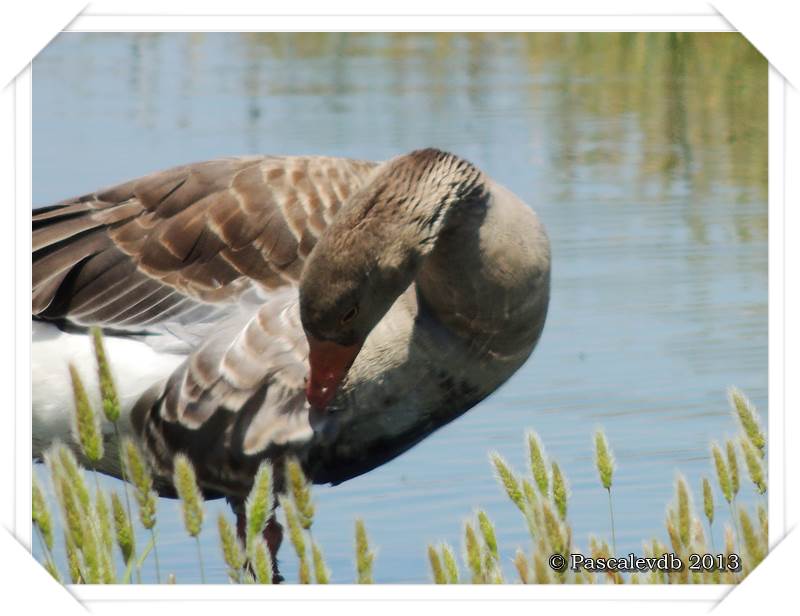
[(350, 315)]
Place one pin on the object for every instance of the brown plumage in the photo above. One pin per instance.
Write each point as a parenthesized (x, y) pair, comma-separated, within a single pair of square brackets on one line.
[(428, 280), (159, 247)]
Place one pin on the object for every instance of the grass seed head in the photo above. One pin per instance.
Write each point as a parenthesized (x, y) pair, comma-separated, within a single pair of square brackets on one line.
[(41, 515), (553, 530), (684, 511), (259, 505), (748, 419), (754, 466), (321, 573), (763, 520), (73, 559), (733, 467), (751, 538), (473, 550), (559, 492), (138, 473), (231, 548), (489, 537), (297, 538), (71, 510), (364, 557), (723, 477), (123, 528), (521, 565), (538, 463), (262, 562), (104, 520), (71, 470), (708, 500), (541, 575), (185, 483), (85, 421), (604, 459), (301, 492), (436, 566), (108, 391), (508, 480), (450, 565)]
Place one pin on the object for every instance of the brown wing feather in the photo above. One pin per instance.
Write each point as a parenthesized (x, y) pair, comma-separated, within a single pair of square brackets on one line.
[(237, 398), (159, 247)]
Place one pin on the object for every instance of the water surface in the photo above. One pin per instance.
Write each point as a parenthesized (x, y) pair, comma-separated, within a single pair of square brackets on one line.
[(644, 154)]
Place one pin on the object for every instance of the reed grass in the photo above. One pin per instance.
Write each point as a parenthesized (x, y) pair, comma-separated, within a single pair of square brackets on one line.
[(297, 538), (322, 574), (604, 460), (723, 476), (560, 491), (185, 483), (521, 565), (489, 549), (541, 496), (43, 527), (450, 564), (538, 462), (473, 554), (73, 560), (684, 513), (108, 390), (708, 509), (110, 405), (41, 516), (436, 566), (754, 542), (364, 556), (509, 481), (104, 517), (446, 572), (231, 549), (749, 420), (123, 529), (754, 466), (301, 493), (86, 426), (262, 562), (258, 507), (541, 572), (137, 471)]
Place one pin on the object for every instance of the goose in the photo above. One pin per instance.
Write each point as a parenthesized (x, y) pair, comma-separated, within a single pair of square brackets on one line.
[(334, 310)]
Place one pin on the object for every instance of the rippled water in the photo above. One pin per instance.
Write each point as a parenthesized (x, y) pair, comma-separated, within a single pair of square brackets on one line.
[(644, 155)]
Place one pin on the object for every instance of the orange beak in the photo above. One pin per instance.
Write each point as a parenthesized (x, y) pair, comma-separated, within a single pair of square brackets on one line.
[(329, 365)]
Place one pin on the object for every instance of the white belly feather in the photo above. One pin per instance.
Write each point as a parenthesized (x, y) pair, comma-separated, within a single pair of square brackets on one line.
[(135, 365)]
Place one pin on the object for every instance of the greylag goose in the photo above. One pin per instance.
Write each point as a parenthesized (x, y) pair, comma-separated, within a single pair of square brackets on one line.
[(335, 310)]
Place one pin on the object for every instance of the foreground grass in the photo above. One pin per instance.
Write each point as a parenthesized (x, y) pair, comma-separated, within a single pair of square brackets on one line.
[(97, 523)]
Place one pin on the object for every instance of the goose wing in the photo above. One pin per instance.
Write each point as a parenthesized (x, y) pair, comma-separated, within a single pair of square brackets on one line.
[(238, 398), (210, 253), (178, 245)]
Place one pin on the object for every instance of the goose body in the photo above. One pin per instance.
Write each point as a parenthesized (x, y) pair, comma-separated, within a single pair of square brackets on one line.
[(335, 310)]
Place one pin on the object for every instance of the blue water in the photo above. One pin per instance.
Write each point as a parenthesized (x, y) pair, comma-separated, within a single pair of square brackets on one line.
[(645, 158)]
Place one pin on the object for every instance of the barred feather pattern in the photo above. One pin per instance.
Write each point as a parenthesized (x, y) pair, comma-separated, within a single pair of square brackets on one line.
[(207, 258), (177, 245)]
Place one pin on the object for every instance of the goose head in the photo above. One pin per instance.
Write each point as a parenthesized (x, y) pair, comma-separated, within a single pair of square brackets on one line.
[(370, 254), (348, 284)]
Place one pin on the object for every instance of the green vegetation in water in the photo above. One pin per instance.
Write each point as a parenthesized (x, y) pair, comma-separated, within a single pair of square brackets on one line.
[(93, 530)]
